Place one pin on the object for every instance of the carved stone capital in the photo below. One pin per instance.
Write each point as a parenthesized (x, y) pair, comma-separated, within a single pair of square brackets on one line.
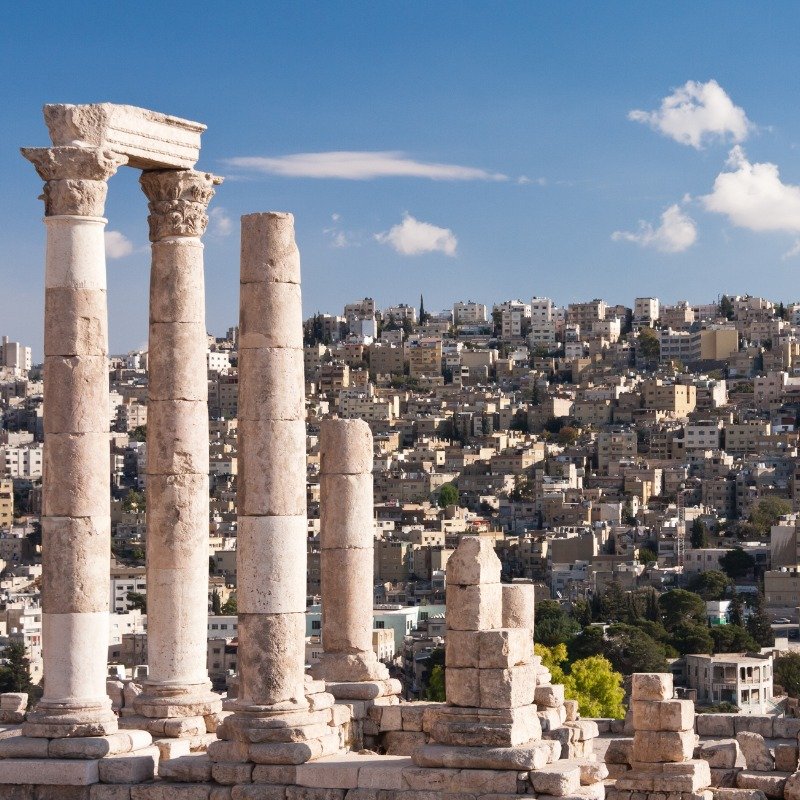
[(178, 201), (75, 177)]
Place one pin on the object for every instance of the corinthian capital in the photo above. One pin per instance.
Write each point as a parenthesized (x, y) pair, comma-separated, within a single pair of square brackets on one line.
[(75, 177), (178, 201)]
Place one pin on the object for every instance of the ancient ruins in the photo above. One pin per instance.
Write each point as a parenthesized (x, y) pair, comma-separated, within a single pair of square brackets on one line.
[(505, 729)]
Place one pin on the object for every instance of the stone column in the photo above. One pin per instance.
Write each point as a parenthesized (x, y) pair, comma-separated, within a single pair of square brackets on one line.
[(272, 524), (76, 523), (347, 553), (177, 488)]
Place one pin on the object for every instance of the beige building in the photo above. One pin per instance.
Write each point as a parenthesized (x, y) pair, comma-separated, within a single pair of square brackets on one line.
[(673, 398), (744, 680), (424, 357), (6, 504)]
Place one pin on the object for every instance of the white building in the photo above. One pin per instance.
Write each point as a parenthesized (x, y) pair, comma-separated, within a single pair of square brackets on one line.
[(744, 680), (646, 311), (15, 356), (468, 313), (21, 462)]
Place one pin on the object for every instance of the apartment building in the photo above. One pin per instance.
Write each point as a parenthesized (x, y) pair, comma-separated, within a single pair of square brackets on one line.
[(6, 504)]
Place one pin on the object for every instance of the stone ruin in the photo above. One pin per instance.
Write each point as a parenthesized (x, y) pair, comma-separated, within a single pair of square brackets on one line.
[(341, 731), (505, 730)]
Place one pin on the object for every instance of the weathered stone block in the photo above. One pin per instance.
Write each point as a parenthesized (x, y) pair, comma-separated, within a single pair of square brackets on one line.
[(49, 771), (551, 696), (474, 562), (659, 746), (756, 753), (761, 725), (188, 769), (559, 780), (717, 725), (462, 687), (134, 767), (403, 743), (507, 688), (719, 755), (231, 773), (651, 686), (473, 608), (786, 757), (772, 784), (503, 758)]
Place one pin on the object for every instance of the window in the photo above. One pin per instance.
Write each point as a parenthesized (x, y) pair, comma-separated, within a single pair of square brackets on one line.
[(380, 624), (316, 624)]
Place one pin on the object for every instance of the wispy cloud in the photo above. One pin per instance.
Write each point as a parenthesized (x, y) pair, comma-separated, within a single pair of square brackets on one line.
[(338, 237), (676, 233), (361, 165), (696, 113), (117, 245), (412, 237), (753, 196), (219, 222)]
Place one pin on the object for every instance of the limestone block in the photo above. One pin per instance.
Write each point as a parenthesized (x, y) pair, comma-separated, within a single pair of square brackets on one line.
[(717, 725), (134, 767), (228, 751), (727, 778), (177, 437), (720, 755), (178, 364), (49, 771), (571, 707), (274, 774), (345, 626), (77, 322), (474, 562), (403, 743), (271, 384), (772, 784), (114, 689), (358, 690), (169, 749), (761, 725), (77, 580), (271, 658), (168, 791), (312, 793), (502, 758), (99, 746), (13, 701), (484, 781), (231, 773), (591, 771), (185, 726), (657, 746), (358, 669), (507, 688), (346, 447), (518, 606), (412, 716), (177, 510), (462, 687), (23, 747), (177, 286), (391, 719), (432, 779), (383, 773), (551, 696), (689, 776), (791, 789), (76, 396), (786, 757), (271, 554), (299, 733), (473, 608), (619, 751), (468, 727), (102, 791), (549, 719), (272, 468), (664, 715), (346, 511), (651, 686), (82, 489), (270, 315), (559, 780), (269, 252), (130, 692), (294, 752), (332, 772), (786, 727), (756, 753)]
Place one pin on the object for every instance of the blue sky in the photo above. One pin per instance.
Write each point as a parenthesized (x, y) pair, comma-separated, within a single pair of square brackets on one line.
[(513, 120)]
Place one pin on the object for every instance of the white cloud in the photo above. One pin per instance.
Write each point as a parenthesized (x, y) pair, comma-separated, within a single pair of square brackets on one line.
[(695, 113), (412, 238), (117, 245), (361, 165), (793, 251), (219, 223), (753, 196), (676, 233)]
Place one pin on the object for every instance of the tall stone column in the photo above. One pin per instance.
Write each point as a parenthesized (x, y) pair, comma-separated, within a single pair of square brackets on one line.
[(177, 452), (76, 522), (272, 527), (346, 553), (280, 716)]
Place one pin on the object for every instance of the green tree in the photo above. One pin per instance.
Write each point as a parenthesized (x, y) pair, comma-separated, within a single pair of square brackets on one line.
[(649, 345), (216, 603), (787, 673), (581, 612), (134, 502), (710, 585), (448, 495), (589, 642), (229, 607), (630, 649), (691, 637), (736, 612), (647, 556), (726, 307), (553, 626), (758, 625), (597, 687), (436, 685), (137, 601), (678, 606), (554, 659), (736, 563), (768, 511), (614, 602), (15, 673), (699, 534), (567, 435), (732, 639)]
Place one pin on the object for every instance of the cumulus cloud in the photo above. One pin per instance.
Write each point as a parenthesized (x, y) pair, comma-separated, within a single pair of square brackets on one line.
[(412, 238), (696, 113), (676, 233), (753, 196), (117, 245), (219, 223), (361, 165)]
